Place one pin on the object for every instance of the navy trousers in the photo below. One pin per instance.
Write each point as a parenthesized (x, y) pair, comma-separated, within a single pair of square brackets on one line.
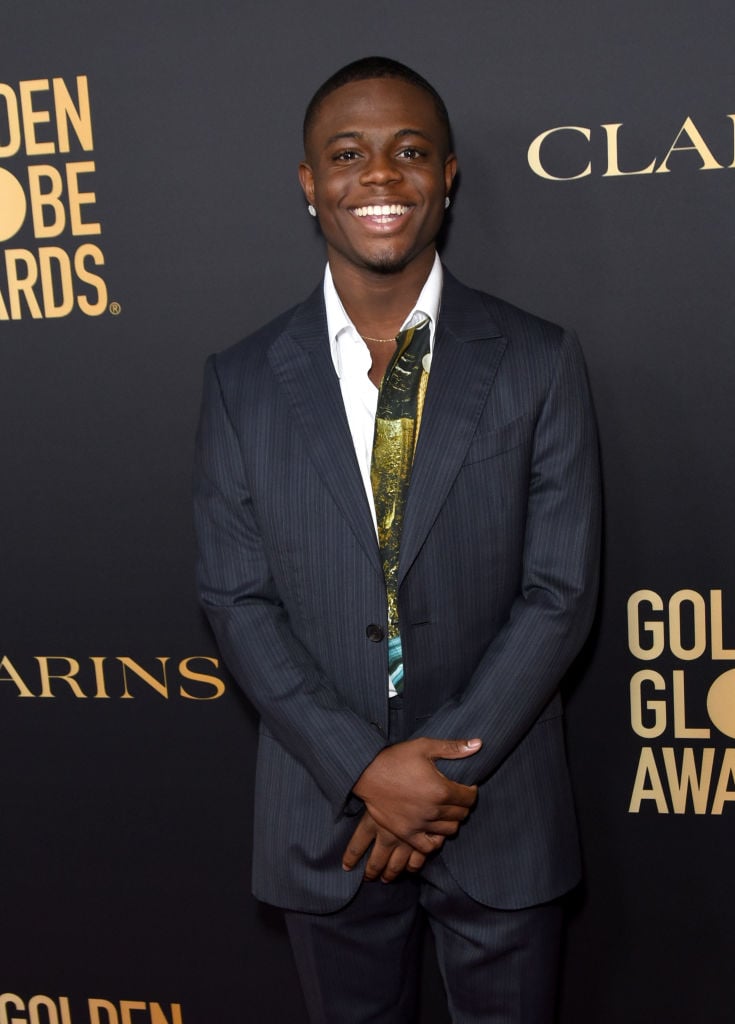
[(360, 965)]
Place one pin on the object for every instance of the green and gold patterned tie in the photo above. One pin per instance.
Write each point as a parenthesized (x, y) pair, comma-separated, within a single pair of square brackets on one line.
[(397, 422)]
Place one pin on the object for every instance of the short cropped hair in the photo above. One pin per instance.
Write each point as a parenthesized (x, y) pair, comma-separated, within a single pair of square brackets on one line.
[(374, 67)]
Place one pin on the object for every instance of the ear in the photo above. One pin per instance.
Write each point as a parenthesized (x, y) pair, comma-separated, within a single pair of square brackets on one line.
[(450, 169), (307, 181)]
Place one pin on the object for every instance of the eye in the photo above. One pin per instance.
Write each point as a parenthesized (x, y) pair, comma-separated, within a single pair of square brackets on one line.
[(411, 153), (346, 155)]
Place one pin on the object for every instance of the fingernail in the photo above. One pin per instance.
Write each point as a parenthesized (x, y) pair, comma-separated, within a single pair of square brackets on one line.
[(473, 744)]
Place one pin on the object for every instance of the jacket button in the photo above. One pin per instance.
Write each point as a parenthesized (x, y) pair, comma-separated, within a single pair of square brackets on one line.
[(375, 633)]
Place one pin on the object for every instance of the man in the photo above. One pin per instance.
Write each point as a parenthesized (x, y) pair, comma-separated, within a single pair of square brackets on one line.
[(398, 510)]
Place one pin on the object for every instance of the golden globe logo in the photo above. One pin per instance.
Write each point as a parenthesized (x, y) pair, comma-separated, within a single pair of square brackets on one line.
[(682, 715), (43, 1009), (47, 202)]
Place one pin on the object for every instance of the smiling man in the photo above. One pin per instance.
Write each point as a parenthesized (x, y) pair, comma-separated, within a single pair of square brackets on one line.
[(398, 512)]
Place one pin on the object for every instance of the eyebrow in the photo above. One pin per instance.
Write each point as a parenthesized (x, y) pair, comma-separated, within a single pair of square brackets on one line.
[(402, 133), (343, 135), (413, 131)]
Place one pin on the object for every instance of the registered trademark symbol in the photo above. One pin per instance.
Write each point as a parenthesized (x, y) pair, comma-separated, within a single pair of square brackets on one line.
[(115, 308)]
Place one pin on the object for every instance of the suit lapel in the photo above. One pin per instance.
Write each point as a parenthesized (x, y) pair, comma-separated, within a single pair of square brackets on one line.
[(468, 348), (301, 361)]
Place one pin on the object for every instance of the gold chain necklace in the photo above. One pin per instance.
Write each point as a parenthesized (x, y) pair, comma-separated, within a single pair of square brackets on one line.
[(379, 341)]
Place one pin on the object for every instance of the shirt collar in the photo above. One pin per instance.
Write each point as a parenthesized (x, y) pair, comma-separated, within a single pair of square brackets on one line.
[(341, 329)]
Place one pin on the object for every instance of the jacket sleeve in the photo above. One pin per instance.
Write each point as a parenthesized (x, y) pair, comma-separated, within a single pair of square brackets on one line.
[(236, 587), (522, 667)]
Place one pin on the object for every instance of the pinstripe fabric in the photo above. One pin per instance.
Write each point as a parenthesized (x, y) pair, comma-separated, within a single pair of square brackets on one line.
[(497, 588), (361, 964)]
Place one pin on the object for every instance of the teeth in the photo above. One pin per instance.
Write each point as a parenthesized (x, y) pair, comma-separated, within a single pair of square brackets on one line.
[(394, 209)]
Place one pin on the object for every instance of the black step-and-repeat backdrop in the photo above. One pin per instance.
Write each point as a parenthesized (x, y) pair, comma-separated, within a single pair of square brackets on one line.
[(150, 214)]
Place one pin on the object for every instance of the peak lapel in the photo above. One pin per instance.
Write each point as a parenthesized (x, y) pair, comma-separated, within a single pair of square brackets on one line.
[(468, 348), (301, 361)]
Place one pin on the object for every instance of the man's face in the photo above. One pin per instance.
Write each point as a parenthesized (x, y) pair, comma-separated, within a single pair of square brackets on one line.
[(377, 170)]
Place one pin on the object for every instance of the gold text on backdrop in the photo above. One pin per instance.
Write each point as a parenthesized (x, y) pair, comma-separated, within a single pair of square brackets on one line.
[(41, 1009), (687, 139), (48, 198), (103, 678), (674, 702)]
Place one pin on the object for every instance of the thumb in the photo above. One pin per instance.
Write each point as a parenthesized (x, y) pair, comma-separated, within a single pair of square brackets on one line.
[(454, 749)]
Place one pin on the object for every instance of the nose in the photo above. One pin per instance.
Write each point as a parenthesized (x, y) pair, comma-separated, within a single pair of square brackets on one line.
[(380, 169)]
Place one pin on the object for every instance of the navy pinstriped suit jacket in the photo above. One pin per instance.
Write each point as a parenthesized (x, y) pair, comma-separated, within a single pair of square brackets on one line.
[(498, 573)]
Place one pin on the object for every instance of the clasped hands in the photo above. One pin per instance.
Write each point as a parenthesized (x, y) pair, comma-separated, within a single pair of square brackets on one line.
[(410, 806)]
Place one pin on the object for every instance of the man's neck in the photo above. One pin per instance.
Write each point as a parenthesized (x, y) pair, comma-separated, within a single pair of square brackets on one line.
[(378, 303)]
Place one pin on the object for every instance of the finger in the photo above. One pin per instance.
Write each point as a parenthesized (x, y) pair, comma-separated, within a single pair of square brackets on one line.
[(455, 812), (397, 863), (358, 845), (453, 749), (416, 861), (444, 828), (458, 795), (452, 812), (426, 842), (380, 855)]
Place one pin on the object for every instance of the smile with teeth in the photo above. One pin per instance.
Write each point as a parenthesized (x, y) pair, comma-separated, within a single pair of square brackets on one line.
[(386, 210)]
